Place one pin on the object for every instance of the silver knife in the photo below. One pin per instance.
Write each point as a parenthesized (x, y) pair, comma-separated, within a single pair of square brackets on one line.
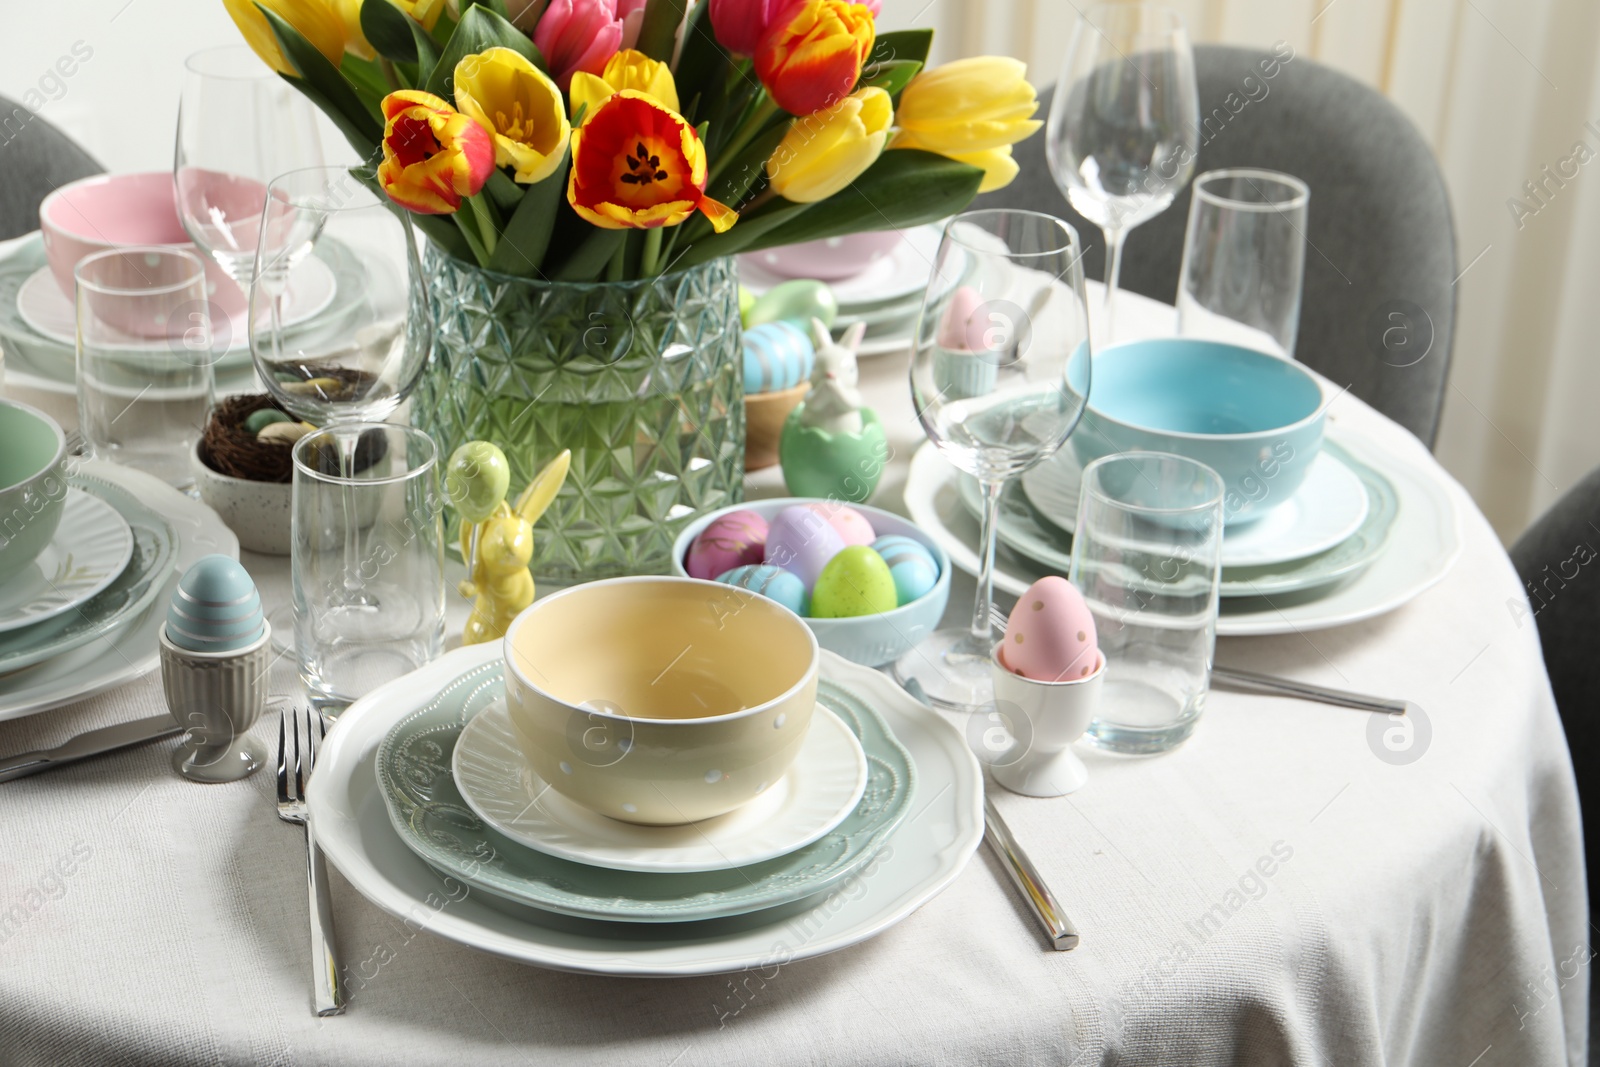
[(92, 743)]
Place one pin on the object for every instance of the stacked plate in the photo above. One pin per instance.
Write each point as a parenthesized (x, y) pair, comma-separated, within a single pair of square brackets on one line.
[(38, 325), (880, 811), (1367, 531), (85, 616), (887, 295)]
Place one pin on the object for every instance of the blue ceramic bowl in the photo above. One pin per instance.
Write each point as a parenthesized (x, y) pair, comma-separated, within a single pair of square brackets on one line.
[(33, 485), (1255, 419), (872, 640)]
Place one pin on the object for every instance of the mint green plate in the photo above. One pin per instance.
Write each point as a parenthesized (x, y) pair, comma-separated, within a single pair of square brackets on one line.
[(432, 818)]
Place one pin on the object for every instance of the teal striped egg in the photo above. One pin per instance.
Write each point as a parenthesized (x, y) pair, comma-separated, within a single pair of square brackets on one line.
[(911, 565), (774, 583), (215, 608), (777, 356)]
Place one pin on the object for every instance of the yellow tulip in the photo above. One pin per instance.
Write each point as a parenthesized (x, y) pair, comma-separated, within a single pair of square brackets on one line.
[(828, 149), (425, 12), (972, 110), (316, 20), (627, 69), (519, 105)]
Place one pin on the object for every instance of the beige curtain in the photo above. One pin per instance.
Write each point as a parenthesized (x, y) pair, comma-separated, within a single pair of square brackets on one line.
[(1506, 93)]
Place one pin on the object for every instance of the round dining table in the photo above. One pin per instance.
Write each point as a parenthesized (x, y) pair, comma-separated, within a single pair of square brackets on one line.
[(1297, 884)]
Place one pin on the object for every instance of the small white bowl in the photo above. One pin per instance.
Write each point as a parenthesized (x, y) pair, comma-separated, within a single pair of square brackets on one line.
[(256, 512)]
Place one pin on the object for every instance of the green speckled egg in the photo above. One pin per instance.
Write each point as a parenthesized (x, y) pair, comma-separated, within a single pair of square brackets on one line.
[(260, 420), (855, 582), (800, 301)]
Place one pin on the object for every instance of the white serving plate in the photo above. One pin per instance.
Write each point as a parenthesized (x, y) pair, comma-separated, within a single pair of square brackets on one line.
[(924, 855), (90, 548)]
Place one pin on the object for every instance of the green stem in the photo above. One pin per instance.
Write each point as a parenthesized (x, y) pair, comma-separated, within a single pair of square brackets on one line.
[(650, 266), (614, 268), (469, 230), (764, 110), (488, 232), (389, 74)]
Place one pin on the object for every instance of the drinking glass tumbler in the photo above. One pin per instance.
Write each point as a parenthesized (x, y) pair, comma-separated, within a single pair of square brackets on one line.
[(144, 357), (1244, 260), (1146, 556), (365, 616)]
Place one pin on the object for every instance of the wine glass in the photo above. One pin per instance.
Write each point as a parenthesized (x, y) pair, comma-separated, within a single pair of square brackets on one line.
[(1124, 127), (999, 379), (239, 126)]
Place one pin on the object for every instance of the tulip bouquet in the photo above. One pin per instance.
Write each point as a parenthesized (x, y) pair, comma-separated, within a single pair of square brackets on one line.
[(582, 140)]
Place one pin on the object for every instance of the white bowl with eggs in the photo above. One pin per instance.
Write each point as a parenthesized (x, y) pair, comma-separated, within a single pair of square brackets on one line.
[(871, 640)]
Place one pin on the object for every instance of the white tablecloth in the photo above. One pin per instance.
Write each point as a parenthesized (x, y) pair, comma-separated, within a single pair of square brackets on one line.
[(1274, 892)]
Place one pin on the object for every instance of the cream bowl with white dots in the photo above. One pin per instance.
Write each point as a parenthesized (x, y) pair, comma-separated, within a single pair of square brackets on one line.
[(660, 700)]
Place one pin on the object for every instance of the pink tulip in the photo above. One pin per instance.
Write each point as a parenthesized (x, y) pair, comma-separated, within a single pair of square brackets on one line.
[(631, 12), (578, 35), (739, 24)]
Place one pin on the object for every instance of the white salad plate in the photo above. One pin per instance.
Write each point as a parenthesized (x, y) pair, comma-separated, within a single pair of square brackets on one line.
[(902, 272), (923, 855), (1422, 544), (131, 650), (90, 548), (822, 786), (1330, 505)]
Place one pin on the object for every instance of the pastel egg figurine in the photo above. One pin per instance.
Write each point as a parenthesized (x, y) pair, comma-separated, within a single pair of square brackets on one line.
[(852, 526), (912, 566), (962, 328), (774, 583), (855, 582), (215, 608), (1050, 636), (732, 540), (800, 300), (802, 542), (260, 420), (777, 356)]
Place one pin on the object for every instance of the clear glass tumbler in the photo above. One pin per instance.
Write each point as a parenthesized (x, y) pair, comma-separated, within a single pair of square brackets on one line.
[(1146, 558), (1244, 260), (368, 615), (145, 379)]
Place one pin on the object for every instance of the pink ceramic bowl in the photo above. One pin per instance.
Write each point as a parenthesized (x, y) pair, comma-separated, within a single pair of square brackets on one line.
[(118, 210), (828, 259)]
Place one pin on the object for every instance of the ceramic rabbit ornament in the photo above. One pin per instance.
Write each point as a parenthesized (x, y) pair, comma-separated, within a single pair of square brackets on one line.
[(834, 402), (497, 537), (833, 445)]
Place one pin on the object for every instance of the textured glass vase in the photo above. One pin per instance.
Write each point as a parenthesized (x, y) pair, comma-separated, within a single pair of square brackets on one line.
[(642, 380)]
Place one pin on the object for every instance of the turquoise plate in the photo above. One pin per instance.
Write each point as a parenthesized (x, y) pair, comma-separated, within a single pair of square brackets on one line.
[(155, 546), (1026, 532), (432, 818)]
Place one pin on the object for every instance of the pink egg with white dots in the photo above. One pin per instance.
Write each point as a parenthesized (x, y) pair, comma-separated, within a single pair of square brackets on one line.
[(851, 526), (1050, 635), (732, 540)]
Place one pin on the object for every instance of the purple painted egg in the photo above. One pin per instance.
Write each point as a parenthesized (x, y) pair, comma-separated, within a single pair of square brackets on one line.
[(732, 540), (802, 542), (851, 526)]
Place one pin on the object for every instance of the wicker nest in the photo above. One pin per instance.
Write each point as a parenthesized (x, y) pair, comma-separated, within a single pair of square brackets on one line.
[(228, 448)]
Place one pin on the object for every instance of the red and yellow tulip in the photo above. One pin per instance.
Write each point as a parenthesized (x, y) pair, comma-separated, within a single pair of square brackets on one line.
[(972, 110), (638, 165), (811, 55), (432, 154), (520, 107)]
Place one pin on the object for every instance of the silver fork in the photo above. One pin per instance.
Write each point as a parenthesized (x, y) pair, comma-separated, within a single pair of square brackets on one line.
[(292, 808)]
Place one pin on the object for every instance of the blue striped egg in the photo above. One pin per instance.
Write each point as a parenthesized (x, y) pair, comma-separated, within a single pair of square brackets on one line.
[(777, 356), (215, 608), (911, 565), (774, 583)]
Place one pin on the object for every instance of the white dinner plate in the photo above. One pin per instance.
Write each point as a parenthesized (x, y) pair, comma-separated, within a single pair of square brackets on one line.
[(49, 312), (1422, 546), (130, 651), (813, 796), (90, 548), (924, 855), (1330, 505), (904, 271)]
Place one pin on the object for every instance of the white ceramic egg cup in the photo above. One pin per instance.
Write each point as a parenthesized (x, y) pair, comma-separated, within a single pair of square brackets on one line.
[(1057, 714), (218, 696)]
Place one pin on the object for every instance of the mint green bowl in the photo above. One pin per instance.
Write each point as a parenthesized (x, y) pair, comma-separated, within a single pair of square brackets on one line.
[(33, 487)]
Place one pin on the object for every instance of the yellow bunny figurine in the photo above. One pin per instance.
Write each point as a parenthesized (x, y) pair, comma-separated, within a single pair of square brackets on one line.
[(497, 538)]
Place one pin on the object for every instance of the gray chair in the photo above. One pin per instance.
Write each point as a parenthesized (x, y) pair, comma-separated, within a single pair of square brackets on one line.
[(1382, 240), (35, 159)]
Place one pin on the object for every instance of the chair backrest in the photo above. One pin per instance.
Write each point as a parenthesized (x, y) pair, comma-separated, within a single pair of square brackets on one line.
[(1381, 266), (35, 159)]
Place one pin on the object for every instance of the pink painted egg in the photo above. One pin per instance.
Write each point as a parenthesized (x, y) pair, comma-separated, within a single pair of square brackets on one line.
[(1050, 636), (732, 540), (962, 328), (851, 526), (802, 542)]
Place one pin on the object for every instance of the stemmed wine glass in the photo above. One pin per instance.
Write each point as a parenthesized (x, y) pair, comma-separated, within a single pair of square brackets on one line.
[(999, 379), (1124, 127)]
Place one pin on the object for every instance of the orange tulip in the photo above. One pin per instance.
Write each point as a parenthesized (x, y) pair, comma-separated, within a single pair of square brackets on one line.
[(432, 154), (811, 56), (637, 165)]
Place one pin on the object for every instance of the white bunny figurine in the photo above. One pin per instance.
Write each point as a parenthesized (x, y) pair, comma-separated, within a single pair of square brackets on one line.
[(834, 402)]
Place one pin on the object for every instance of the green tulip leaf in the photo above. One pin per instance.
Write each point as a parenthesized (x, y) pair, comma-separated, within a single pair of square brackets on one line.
[(591, 255), (903, 45), (322, 83), (703, 64), (526, 236), (480, 29), (891, 76), (388, 30), (658, 36), (746, 234), (745, 169)]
